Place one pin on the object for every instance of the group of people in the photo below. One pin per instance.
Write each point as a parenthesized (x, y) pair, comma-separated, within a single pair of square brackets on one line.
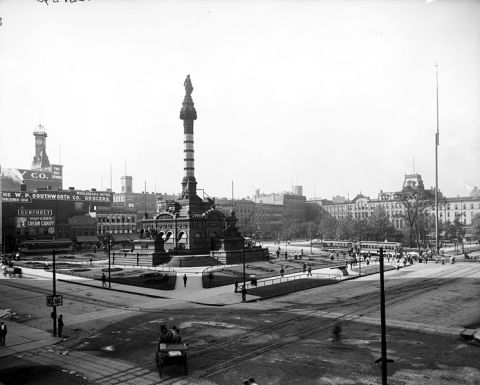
[(307, 268), (169, 336)]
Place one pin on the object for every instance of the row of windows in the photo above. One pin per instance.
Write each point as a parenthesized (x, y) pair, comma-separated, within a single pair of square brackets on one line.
[(106, 230), (118, 219), (455, 206)]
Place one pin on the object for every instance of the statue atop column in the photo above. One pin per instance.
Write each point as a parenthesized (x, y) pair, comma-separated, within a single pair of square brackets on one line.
[(188, 109), (188, 86)]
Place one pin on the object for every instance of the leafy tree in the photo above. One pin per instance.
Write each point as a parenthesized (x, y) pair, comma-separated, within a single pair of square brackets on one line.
[(417, 203), (327, 227), (476, 226), (379, 227), (345, 229)]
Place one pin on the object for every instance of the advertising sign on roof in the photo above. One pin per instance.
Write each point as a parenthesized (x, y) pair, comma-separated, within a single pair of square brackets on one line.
[(20, 197), (74, 195), (35, 174)]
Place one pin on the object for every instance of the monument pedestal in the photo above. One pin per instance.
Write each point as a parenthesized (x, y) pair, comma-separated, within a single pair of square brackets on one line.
[(232, 251), (146, 252)]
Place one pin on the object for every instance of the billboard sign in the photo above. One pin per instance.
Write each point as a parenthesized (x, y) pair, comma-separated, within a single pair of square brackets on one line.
[(70, 195), (45, 221), (56, 171), (75, 195), (35, 174), (19, 197)]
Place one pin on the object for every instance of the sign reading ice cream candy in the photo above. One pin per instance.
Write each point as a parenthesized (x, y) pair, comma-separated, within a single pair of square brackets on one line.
[(35, 222)]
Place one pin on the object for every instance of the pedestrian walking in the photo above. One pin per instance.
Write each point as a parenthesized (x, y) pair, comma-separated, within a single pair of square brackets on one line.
[(282, 272), (236, 286), (337, 332), (91, 262), (3, 333), (104, 280), (244, 293), (286, 255), (309, 271), (278, 252), (304, 267), (185, 280), (60, 325)]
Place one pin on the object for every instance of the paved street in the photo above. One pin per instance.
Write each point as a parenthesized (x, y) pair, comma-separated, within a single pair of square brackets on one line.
[(111, 339)]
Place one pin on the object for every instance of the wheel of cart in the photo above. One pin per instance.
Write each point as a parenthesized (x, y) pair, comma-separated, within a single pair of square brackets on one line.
[(170, 354)]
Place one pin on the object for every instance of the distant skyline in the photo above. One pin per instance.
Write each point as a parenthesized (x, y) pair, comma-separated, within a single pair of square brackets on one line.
[(337, 95)]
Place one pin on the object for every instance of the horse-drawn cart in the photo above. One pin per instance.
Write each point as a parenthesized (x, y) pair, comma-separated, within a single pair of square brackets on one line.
[(13, 271), (168, 354)]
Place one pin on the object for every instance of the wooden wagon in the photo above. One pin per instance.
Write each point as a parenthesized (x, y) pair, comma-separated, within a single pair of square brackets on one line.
[(13, 272), (169, 354)]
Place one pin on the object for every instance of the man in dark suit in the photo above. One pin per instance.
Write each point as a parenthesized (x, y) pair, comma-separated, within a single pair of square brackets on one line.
[(3, 333)]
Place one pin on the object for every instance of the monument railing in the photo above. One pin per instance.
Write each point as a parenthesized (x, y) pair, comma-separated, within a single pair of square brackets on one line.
[(276, 280)]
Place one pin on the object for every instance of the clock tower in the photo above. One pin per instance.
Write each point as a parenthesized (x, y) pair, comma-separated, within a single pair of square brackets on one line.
[(40, 160)]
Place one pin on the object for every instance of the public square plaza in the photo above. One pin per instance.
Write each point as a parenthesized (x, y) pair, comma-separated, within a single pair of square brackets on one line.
[(111, 335)]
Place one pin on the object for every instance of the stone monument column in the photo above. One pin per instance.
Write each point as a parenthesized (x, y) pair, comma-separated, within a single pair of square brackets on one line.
[(188, 115)]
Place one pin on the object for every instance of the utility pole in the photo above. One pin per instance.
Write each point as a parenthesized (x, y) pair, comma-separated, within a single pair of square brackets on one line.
[(382, 321), (109, 245), (54, 311), (437, 142), (244, 288)]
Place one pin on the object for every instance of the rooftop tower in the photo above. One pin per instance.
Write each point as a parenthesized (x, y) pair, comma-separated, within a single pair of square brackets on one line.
[(40, 160)]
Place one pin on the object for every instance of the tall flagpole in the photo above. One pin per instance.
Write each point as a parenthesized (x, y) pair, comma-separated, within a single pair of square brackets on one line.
[(437, 138)]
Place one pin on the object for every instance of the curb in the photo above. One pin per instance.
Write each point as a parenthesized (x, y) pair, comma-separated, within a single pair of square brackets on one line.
[(119, 290)]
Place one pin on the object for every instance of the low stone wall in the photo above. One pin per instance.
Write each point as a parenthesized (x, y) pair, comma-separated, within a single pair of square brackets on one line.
[(140, 259), (231, 257)]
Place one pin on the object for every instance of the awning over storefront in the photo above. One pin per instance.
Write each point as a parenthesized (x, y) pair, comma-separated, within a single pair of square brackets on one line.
[(87, 239)]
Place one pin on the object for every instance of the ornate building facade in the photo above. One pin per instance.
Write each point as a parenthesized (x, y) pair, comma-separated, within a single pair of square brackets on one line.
[(360, 207)]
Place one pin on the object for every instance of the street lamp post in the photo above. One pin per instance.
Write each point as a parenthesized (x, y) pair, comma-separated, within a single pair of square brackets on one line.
[(311, 248), (382, 321), (54, 310), (244, 288), (359, 263), (175, 235), (109, 246)]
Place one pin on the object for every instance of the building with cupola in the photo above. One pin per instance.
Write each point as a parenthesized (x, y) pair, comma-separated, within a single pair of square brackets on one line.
[(458, 208)]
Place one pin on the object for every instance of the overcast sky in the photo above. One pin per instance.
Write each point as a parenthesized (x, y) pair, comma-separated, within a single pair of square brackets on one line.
[(337, 95)]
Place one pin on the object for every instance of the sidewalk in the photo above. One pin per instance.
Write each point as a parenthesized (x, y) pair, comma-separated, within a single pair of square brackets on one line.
[(41, 348), (193, 292), (22, 338)]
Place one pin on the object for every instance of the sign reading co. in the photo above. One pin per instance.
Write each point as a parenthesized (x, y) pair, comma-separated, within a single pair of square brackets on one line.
[(35, 175)]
